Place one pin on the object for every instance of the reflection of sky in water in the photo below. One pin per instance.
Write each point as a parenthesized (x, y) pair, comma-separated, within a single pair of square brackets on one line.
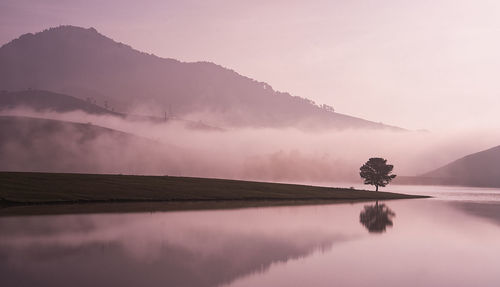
[(431, 243)]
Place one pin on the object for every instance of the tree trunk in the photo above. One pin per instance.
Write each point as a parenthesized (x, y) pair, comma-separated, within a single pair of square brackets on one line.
[(376, 187)]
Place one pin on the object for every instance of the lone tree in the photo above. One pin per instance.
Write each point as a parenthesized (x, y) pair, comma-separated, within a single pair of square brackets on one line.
[(377, 172)]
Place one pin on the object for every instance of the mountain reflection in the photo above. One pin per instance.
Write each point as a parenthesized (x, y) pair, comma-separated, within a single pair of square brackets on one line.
[(169, 249), (376, 217), (489, 210)]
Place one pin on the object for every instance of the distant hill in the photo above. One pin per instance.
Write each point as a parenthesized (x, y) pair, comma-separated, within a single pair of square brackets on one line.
[(480, 169), (33, 144), (28, 130), (83, 63), (44, 101)]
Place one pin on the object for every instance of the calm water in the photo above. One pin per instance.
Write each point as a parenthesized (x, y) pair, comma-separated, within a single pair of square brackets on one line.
[(449, 240)]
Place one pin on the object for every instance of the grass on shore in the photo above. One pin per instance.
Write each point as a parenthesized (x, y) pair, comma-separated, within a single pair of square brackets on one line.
[(49, 188)]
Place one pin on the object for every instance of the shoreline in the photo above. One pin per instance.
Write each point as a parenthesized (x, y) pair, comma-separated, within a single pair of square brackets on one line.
[(78, 192), (157, 206)]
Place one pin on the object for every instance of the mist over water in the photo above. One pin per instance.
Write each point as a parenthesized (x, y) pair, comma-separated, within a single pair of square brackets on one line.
[(270, 154)]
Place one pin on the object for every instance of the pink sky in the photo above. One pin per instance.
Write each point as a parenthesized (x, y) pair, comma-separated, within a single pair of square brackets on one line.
[(415, 64)]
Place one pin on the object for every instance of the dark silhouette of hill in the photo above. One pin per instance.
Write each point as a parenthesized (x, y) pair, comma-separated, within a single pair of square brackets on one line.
[(480, 169), (44, 101), (83, 63), (29, 129), (34, 144)]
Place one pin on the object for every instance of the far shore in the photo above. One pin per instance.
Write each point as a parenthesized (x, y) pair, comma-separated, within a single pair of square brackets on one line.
[(24, 193)]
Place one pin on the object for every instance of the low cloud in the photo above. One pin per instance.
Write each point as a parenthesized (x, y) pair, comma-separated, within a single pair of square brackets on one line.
[(173, 148)]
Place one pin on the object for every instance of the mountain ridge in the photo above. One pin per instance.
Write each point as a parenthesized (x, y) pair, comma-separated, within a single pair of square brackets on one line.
[(84, 63), (480, 169)]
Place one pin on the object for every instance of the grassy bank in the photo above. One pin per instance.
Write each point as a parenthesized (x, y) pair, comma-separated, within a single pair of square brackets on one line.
[(99, 192)]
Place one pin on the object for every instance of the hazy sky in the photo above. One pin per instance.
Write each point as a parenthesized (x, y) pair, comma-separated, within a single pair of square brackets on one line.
[(416, 64)]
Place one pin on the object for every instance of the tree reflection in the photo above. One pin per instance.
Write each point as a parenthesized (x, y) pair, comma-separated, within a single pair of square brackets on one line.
[(376, 217)]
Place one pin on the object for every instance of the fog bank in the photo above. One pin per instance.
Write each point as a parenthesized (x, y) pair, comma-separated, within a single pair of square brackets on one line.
[(171, 148)]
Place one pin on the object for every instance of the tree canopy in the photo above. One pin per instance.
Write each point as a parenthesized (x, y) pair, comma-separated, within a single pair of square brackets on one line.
[(377, 172)]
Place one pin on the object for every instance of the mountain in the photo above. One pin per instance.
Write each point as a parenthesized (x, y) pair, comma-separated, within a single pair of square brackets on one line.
[(83, 63), (480, 169)]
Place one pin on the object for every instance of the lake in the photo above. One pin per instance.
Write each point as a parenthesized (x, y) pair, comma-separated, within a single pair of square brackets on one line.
[(449, 240)]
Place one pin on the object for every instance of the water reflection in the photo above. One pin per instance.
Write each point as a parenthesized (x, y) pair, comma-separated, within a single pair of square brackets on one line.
[(376, 217), (317, 246), (201, 248), (487, 210)]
